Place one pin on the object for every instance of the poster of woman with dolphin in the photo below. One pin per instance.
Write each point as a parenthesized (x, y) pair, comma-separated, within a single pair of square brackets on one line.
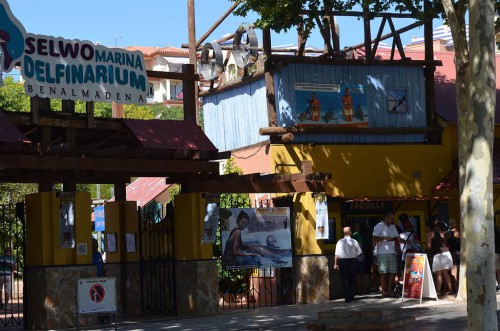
[(255, 238)]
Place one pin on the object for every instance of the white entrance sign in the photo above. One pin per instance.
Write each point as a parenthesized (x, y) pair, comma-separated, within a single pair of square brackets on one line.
[(96, 295)]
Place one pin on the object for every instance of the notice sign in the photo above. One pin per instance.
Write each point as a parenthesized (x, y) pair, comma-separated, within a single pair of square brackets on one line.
[(96, 295), (418, 282)]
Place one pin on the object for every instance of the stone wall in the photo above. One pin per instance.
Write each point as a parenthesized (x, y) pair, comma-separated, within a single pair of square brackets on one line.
[(51, 297), (312, 279), (197, 287), (128, 286)]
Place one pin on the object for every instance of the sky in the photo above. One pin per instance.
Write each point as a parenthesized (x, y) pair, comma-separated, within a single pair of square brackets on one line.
[(157, 22)]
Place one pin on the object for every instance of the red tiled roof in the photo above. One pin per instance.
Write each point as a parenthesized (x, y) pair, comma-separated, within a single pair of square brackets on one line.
[(151, 51), (445, 82), (450, 182), (177, 135), (9, 132), (145, 189)]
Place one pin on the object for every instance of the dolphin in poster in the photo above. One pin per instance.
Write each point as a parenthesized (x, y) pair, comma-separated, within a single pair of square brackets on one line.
[(12, 35)]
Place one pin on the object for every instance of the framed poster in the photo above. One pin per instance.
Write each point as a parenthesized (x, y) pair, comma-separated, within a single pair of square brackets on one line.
[(130, 239), (67, 220), (111, 242), (397, 100)]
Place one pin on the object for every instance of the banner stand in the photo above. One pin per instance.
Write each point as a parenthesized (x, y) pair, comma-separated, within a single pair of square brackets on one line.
[(96, 296), (417, 279)]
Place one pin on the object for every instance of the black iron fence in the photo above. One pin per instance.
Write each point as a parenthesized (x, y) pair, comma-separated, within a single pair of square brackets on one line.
[(12, 262), (156, 249)]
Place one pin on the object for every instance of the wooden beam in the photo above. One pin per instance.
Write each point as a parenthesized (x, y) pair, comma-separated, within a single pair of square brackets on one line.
[(106, 164), (430, 97), (252, 187), (20, 119), (360, 62), (344, 130), (173, 75), (216, 24), (384, 37)]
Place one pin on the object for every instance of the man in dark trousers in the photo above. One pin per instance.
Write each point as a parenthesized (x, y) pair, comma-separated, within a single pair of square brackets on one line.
[(346, 255)]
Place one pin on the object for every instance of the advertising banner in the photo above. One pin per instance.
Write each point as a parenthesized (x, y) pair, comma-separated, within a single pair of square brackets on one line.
[(211, 220), (255, 238), (331, 104), (322, 230), (71, 69), (67, 221), (417, 278), (99, 222)]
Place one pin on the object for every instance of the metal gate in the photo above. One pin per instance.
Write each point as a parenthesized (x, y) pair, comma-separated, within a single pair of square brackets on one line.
[(157, 267), (12, 237)]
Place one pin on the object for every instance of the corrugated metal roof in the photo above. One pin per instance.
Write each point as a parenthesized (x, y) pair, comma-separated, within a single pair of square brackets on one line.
[(145, 189), (177, 135), (9, 132)]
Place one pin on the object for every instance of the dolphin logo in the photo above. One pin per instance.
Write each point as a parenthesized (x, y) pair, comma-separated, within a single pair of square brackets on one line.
[(11, 38)]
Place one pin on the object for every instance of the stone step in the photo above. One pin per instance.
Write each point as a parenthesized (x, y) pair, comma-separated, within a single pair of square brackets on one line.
[(361, 319), (360, 324)]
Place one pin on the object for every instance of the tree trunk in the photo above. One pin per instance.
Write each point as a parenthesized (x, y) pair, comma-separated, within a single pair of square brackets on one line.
[(477, 195), (456, 20)]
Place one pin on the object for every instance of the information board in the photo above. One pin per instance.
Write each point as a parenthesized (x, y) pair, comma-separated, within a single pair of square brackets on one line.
[(96, 295)]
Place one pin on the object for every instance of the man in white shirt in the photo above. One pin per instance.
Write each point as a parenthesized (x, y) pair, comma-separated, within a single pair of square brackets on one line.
[(385, 236), (346, 254)]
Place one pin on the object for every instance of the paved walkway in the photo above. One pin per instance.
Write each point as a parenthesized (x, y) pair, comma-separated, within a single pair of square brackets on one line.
[(431, 315), (446, 314)]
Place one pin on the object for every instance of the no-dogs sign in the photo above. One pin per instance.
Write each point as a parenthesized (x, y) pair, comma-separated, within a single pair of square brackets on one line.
[(96, 295)]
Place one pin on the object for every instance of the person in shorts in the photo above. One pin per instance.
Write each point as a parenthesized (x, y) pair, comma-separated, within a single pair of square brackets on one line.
[(385, 236)]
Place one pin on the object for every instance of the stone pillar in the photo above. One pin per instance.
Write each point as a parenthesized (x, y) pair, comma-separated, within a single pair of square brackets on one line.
[(50, 297), (197, 286), (121, 219), (312, 284), (312, 279), (52, 265)]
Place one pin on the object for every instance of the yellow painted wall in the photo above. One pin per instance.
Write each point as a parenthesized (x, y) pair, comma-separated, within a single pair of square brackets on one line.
[(42, 230), (305, 225), (189, 213), (121, 218), (373, 170)]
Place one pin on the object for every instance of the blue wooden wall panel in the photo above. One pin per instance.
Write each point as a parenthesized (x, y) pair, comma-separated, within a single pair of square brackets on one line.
[(232, 118)]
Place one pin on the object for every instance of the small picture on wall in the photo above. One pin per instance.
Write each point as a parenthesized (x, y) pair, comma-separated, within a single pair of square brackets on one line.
[(397, 100)]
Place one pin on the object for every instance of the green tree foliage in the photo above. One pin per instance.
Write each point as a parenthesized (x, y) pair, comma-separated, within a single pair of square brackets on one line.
[(12, 96)]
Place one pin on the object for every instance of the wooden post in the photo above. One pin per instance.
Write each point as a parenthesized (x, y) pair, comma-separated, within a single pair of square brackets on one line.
[(68, 106), (192, 61), (117, 110), (89, 109), (269, 79), (189, 95), (120, 191), (430, 100), (368, 34)]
